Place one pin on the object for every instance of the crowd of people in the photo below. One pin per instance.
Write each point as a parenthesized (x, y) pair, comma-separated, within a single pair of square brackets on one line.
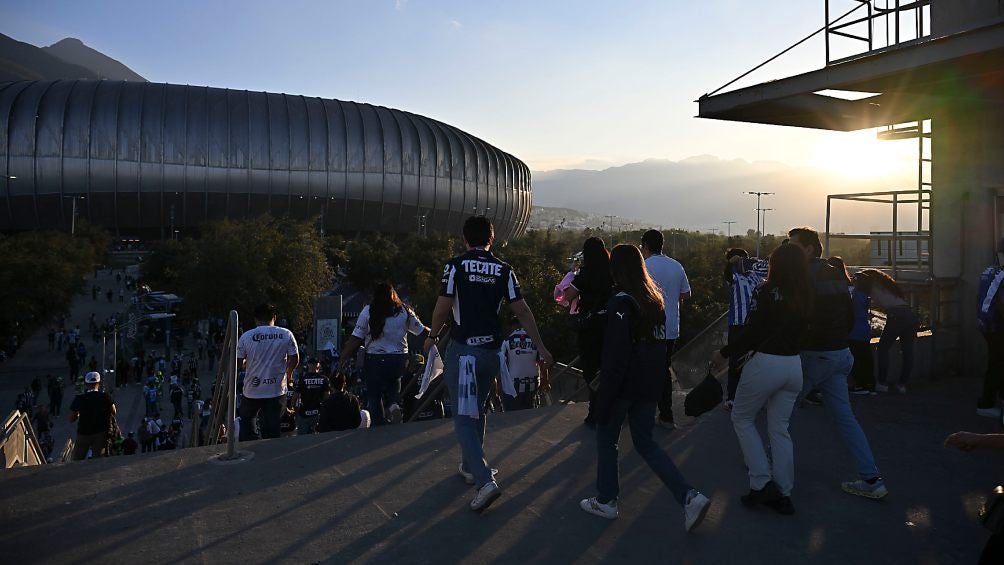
[(799, 325)]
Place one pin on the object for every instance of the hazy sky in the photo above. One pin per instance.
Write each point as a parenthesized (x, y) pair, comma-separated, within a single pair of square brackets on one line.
[(556, 83)]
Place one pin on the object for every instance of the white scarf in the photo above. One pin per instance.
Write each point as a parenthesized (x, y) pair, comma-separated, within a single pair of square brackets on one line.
[(507, 384), (433, 368), (467, 390)]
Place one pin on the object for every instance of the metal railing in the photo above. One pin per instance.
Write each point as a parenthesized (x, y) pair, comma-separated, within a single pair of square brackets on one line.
[(221, 419), (883, 25), (19, 447)]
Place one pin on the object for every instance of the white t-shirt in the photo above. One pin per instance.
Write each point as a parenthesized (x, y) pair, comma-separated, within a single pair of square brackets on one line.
[(394, 338), (266, 349), (668, 273), (521, 355)]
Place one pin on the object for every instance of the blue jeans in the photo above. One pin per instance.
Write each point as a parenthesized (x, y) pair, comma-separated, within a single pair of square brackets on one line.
[(382, 374), (470, 432), (641, 419), (267, 410), (827, 371)]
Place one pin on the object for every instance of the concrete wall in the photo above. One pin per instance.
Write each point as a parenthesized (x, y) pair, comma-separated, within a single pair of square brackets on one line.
[(968, 170)]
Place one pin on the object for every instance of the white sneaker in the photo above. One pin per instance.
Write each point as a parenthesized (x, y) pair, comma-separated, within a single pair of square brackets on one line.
[(901, 389), (694, 509), (593, 506), (469, 477), (994, 412), (860, 487), (485, 496), (394, 416), (879, 387)]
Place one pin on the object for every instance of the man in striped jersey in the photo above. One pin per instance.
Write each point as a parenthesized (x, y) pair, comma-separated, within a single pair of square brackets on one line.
[(742, 274)]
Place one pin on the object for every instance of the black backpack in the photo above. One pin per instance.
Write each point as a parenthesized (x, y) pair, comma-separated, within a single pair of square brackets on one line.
[(703, 397)]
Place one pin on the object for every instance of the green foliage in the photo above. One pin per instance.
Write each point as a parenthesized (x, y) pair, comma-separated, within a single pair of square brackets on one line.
[(42, 271), (370, 259), (237, 264)]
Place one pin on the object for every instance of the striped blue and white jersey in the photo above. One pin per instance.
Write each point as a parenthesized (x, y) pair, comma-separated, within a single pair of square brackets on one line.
[(746, 276)]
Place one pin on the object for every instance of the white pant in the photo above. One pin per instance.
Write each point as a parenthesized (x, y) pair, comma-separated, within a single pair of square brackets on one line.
[(774, 381)]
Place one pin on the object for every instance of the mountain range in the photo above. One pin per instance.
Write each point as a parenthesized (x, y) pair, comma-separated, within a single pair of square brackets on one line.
[(703, 192), (68, 58)]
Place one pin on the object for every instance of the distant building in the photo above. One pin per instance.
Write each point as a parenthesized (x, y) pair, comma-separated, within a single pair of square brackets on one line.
[(149, 159), (915, 252)]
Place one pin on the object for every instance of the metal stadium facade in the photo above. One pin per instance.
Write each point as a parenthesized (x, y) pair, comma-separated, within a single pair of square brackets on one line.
[(144, 158)]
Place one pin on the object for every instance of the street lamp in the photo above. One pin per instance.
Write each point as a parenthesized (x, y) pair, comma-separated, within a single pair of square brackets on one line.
[(73, 213), (729, 223), (131, 323), (758, 209)]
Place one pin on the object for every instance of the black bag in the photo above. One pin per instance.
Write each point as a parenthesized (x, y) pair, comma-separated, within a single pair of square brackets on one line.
[(703, 397), (992, 513)]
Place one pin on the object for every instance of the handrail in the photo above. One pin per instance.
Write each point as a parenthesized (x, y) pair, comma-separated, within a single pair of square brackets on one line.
[(221, 419), (19, 446), (67, 453), (231, 357)]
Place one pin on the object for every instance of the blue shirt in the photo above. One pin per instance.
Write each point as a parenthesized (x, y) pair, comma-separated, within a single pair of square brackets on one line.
[(862, 330)]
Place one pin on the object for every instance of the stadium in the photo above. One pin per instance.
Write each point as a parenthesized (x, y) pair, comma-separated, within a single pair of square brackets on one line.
[(152, 160)]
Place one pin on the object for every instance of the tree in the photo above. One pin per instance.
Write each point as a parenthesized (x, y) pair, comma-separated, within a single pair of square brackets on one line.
[(237, 264), (42, 270), (370, 259)]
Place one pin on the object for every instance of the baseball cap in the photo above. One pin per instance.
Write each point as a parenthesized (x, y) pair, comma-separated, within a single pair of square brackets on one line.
[(92, 377)]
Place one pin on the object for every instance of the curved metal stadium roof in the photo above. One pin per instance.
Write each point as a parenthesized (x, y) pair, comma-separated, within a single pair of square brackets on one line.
[(147, 156)]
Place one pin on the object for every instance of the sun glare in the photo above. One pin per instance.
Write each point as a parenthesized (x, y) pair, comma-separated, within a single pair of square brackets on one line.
[(860, 154)]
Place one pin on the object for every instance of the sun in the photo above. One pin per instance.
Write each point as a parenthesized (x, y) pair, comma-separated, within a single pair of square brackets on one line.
[(860, 155)]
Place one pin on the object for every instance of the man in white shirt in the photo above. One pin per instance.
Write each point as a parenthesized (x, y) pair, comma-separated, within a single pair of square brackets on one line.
[(669, 274), (268, 354)]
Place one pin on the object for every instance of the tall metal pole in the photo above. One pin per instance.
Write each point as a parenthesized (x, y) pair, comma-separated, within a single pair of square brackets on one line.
[(763, 222), (729, 223), (104, 355), (231, 354), (758, 230)]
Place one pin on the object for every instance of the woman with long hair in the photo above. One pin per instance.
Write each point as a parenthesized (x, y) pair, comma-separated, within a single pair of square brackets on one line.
[(383, 326), (591, 286), (900, 323), (772, 377), (631, 381)]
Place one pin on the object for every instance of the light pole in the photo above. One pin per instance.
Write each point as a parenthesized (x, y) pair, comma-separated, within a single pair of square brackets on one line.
[(758, 232), (421, 224), (729, 224), (764, 221), (324, 209), (131, 323), (73, 213)]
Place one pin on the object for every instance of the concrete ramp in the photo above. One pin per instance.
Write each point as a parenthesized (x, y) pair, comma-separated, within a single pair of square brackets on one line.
[(392, 495)]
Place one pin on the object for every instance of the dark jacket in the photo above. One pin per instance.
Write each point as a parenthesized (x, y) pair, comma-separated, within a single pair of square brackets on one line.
[(832, 313), (634, 366), (770, 326), (339, 412)]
